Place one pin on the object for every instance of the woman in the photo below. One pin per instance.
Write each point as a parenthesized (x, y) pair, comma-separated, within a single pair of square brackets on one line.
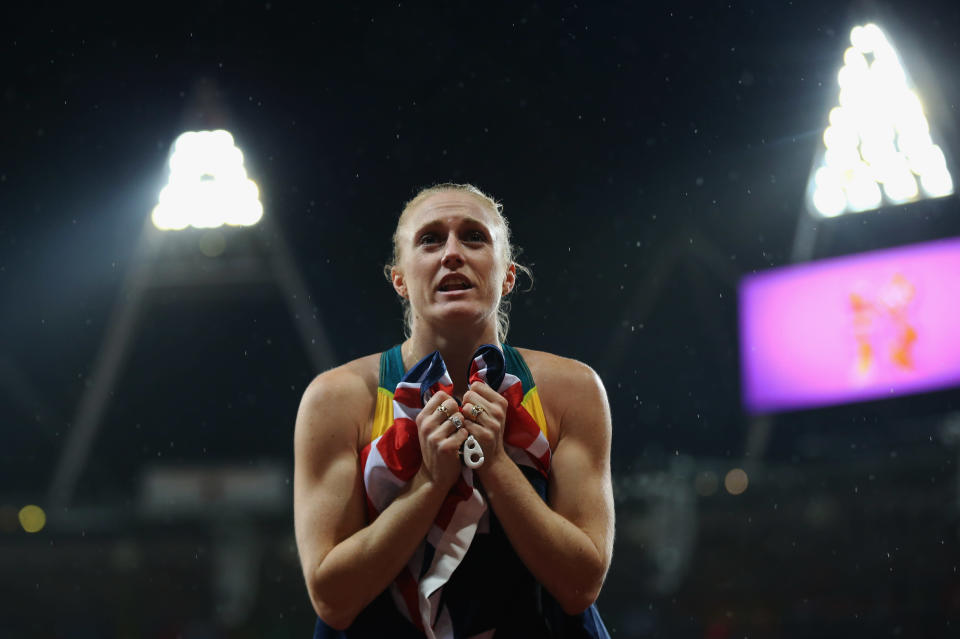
[(519, 545)]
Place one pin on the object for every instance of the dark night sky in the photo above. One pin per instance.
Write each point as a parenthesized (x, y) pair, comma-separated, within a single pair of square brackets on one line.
[(620, 137)]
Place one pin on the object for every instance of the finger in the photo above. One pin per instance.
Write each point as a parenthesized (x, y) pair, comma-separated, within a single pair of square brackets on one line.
[(457, 421), (482, 389), (441, 434), (441, 412), (458, 437), (475, 410), (443, 426), (451, 445), (438, 398), (479, 431), (445, 409), (433, 418), (494, 408), (426, 415), (485, 393), (472, 412)]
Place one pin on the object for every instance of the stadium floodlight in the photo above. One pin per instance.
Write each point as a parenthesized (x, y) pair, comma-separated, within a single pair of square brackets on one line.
[(877, 147), (208, 185)]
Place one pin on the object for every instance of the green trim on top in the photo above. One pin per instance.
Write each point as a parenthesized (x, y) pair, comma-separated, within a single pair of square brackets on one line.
[(392, 371), (517, 366), (391, 368)]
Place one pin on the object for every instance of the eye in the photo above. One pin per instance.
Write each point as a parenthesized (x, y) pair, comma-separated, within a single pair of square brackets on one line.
[(428, 238), (476, 236)]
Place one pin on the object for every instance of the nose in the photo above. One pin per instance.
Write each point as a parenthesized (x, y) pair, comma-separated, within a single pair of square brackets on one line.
[(452, 252)]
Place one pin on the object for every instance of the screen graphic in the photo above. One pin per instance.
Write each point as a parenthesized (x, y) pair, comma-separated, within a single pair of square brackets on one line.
[(853, 328)]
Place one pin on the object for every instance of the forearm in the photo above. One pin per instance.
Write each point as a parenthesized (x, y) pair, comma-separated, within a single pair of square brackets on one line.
[(559, 554), (364, 564)]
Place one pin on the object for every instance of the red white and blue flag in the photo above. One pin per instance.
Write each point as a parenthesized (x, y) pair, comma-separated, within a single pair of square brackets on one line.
[(391, 460)]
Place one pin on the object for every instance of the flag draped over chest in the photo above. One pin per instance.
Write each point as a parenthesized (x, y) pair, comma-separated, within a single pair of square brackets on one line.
[(391, 460)]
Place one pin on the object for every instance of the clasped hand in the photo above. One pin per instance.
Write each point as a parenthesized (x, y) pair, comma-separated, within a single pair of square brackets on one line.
[(482, 414)]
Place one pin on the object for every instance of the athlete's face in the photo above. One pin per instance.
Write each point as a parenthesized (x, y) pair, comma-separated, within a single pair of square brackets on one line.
[(451, 263)]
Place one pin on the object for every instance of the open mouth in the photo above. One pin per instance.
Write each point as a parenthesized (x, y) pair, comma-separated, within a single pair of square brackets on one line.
[(454, 284)]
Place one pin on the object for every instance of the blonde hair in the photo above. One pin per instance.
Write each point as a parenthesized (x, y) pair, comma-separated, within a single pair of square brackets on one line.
[(508, 252)]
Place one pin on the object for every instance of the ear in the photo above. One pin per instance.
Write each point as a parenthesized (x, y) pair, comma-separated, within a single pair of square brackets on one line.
[(510, 280), (396, 278)]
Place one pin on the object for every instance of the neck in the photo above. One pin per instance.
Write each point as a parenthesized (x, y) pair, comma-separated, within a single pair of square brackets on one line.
[(455, 349)]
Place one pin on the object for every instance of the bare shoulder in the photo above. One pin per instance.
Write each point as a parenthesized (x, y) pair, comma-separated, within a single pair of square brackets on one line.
[(357, 376), (556, 375), (566, 387), (341, 399)]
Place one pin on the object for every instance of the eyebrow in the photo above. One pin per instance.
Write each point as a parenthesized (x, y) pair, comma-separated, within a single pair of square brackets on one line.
[(468, 221)]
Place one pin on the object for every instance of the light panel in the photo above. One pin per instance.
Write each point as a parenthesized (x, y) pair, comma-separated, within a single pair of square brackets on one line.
[(208, 185), (852, 328), (877, 147)]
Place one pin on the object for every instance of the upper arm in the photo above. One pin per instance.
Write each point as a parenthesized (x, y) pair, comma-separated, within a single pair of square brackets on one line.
[(328, 498), (579, 486)]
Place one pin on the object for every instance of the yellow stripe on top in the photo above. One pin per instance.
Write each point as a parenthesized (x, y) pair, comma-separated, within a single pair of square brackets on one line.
[(383, 417), (531, 401)]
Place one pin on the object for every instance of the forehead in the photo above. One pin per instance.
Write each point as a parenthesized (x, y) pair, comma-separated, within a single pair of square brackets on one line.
[(450, 206)]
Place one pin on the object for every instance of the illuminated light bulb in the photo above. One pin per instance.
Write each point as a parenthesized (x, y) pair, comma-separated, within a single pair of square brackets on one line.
[(853, 79), (32, 518), (840, 117), (888, 165), (208, 185), (883, 50), (876, 126), (937, 184), (861, 189), (901, 187), (828, 178), (854, 59), (914, 116), (830, 137), (858, 40), (829, 201), (863, 194), (841, 159), (846, 98), (888, 75), (874, 36), (840, 136), (914, 143), (914, 131), (929, 159), (873, 151), (736, 481), (911, 103), (845, 77)]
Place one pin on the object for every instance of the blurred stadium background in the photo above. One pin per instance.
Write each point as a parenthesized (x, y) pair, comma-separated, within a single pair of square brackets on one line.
[(649, 159)]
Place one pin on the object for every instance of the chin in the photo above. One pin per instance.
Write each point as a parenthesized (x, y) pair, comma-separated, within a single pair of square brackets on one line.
[(465, 313)]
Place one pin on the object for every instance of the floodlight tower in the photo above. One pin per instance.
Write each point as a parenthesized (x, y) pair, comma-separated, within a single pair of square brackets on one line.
[(877, 151), (877, 148), (208, 199)]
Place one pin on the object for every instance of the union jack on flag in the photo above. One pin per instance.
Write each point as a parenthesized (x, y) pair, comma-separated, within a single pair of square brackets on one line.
[(391, 460)]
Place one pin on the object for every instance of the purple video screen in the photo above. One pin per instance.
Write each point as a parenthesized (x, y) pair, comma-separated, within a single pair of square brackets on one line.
[(854, 328)]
